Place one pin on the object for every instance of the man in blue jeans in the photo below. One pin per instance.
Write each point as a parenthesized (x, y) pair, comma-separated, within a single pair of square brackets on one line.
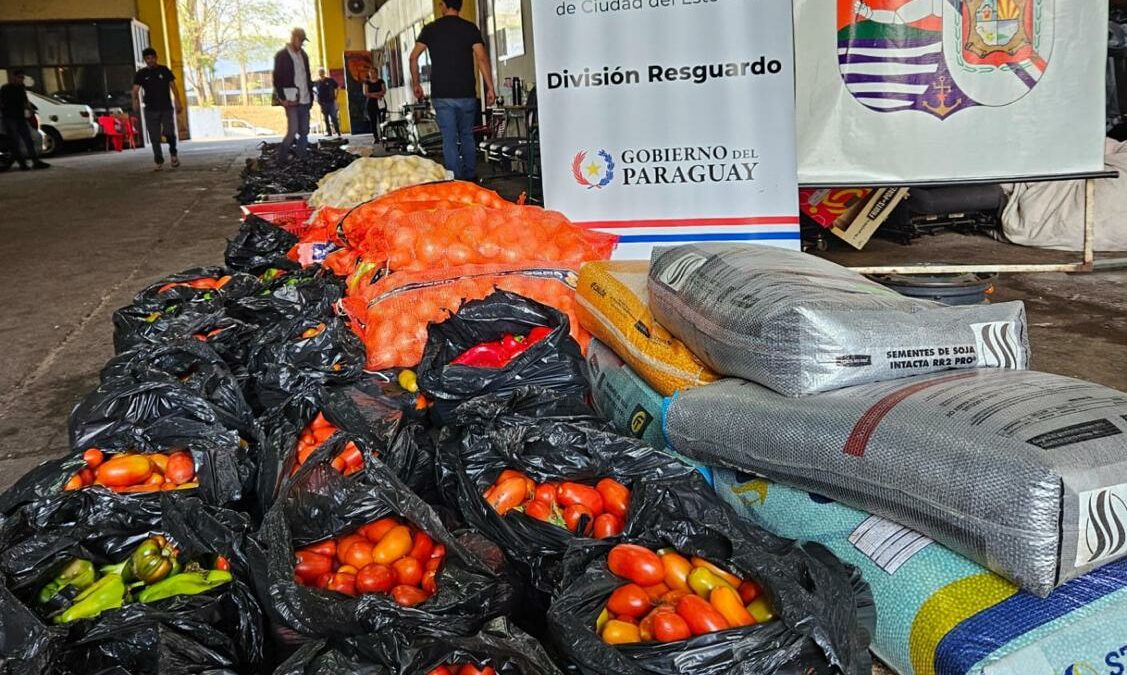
[(454, 44)]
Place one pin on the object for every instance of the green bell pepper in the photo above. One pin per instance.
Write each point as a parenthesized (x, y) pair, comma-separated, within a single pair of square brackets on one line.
[(153, 560)]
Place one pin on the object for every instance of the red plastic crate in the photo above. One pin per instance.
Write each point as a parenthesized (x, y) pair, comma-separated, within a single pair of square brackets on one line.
[(290, 216)]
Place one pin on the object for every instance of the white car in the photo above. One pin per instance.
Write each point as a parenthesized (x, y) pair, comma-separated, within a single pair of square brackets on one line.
[(242, 128), (61, 121)]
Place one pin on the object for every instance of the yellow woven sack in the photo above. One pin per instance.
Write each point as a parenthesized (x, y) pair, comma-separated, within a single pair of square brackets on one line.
[(612, 306)]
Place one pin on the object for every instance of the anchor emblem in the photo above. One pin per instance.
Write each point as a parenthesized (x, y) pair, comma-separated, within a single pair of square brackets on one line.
[(943, 93)]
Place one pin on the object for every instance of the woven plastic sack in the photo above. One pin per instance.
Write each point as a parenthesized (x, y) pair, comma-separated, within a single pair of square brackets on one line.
[(939, 613), (354, 225), (800, 325), (1022, 472), (391, 315), (614, 306), (629, 403)]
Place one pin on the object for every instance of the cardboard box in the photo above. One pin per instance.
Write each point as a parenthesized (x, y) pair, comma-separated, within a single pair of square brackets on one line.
[(853, 214)]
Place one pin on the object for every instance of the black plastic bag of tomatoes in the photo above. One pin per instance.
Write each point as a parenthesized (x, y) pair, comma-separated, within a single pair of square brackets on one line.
[(136, 326), (195, 365), (355, 425), (288, 294), (825, 611), (123, 437), (321, 504), (217, 630), (499, 645), (553, 439), (324, 349), (349, 656), (552, 362), (204, 289), (258, 246)]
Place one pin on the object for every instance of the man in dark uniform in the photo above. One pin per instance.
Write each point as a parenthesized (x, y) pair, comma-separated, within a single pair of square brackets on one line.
[(162, 102), (14, 110), (454, 44)]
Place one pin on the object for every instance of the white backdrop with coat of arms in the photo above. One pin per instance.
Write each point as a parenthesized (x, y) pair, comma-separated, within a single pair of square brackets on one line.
[(669, 121), (899, 91)]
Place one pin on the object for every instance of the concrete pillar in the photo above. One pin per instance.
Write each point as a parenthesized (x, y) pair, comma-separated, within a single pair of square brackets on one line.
[(164, 35)]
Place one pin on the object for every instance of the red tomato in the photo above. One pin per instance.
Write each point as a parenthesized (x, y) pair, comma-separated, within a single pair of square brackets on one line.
[(373, 532), (422, 547), (124, 470), (539, 510), (309, 565), (749, 590), (327, 547), (408, 596), (607, 525), (343, 583), (656, 591), (670, 627), (322, 581), (430, 581), (579, 516), (616, 497), (701, 617), (646, 625), (358, 554), (93, 457), (546, 492), (439, 551), (344, 543), (507, 474), (636, 563), (434, 564), (570, 493), (508, 494), (375, 578), (441, 670), (408, 571), (629, 600), (471, 669), (394, 545), (181, 468)]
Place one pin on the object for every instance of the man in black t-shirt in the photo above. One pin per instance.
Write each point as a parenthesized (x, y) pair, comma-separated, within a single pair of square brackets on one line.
[(161, 104), (454, 44), (14, 111), (325, 89)]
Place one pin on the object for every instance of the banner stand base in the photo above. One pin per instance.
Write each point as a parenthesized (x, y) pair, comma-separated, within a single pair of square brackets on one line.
[(1087, 265)]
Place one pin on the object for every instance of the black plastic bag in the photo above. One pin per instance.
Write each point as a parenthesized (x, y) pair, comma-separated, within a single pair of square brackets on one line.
[(153, 417), (288, 294), (549, 437), (176, 289), (555, 362), (135, 326), (377, 430), (220, 630), (349, 656), (384, 386), (195, 365), (324, 349), (499, 644), (321, 503), (258, 246), (825, 611)]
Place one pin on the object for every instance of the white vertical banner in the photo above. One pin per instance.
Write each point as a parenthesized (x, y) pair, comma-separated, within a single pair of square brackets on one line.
[(669, 121)]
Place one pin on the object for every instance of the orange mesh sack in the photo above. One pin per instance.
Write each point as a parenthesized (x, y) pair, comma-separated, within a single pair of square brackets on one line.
[(475, 235), (391, 315)]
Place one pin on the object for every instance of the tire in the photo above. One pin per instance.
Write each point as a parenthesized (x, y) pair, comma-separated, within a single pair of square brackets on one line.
[(52, 141)]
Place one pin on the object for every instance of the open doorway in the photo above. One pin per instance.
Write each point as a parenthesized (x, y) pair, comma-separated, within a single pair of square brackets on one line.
[(228, 48)]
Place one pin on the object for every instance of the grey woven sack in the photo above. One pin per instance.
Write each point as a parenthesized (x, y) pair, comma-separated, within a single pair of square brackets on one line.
[(1023, 472), (801, 325)]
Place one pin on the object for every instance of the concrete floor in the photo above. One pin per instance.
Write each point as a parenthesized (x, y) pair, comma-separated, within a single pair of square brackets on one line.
[(77, 241)]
